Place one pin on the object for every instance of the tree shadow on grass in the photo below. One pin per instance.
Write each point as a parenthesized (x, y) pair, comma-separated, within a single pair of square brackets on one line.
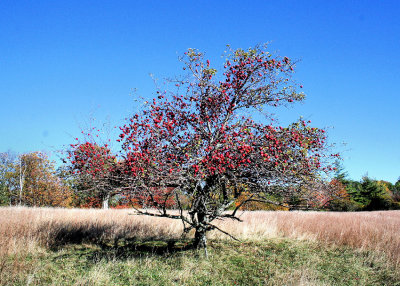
[(132, 248), (95, 241), (62, 235), (124, 250)]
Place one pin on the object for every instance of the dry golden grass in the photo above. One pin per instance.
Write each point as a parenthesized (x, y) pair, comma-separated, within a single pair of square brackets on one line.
[(377, 231), (22, 229)]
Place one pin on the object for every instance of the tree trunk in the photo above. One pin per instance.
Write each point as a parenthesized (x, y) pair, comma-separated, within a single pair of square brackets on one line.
[(105, 201), (20, 191), (200, 240), (21, 181)]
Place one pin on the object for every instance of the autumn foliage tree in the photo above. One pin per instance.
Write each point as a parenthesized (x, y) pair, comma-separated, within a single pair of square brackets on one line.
[(41, 185), (197, 140), (30, 179), (7, 178)]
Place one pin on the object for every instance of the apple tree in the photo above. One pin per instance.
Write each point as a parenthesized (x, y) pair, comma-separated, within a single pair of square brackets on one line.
[(197, 139)]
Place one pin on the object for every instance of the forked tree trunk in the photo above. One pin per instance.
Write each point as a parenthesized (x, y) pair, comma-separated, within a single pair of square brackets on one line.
[(200, 239)]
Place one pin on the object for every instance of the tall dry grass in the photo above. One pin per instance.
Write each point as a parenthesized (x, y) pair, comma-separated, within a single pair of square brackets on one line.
[(24, 229), (376, 231)]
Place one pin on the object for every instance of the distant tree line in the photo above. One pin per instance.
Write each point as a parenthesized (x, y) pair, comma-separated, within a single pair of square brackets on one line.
[(365, 195), (31, 179)]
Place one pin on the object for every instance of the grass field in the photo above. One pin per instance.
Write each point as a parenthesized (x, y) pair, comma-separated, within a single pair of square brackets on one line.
[(112, 247)]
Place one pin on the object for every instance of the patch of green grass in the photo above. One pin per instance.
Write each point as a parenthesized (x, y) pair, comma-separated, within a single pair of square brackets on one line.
[(269, 262)]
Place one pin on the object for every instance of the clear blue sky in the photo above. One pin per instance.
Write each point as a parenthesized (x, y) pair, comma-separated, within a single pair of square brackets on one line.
[(64, 62)]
